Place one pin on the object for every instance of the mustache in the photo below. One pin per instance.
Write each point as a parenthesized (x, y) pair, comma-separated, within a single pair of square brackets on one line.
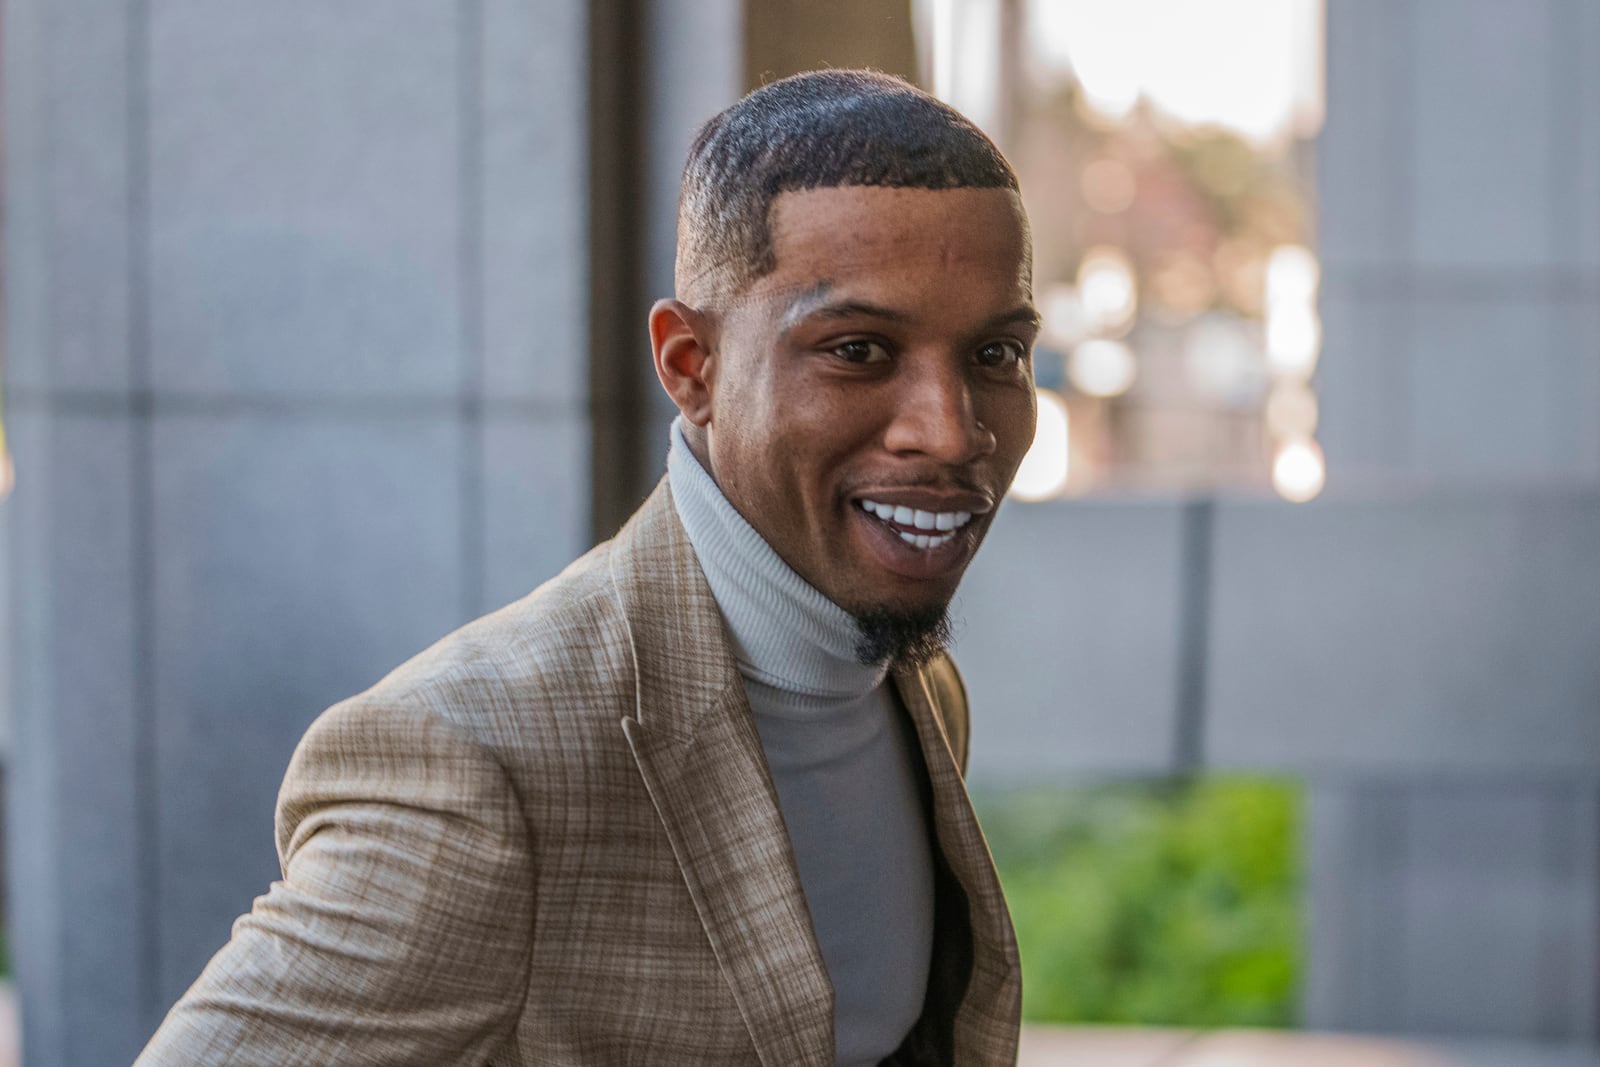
[(937, 480)]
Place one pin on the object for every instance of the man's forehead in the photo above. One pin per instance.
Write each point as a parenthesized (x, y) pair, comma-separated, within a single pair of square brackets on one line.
[(866, 226)]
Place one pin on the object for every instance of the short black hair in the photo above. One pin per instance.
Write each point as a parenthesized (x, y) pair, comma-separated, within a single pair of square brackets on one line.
[(818, 130)]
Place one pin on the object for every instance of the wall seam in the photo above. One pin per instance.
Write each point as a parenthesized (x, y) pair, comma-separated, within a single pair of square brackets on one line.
[(1403, 144), (1196, 559), (470, 297), (141, 459), (1564, 394)]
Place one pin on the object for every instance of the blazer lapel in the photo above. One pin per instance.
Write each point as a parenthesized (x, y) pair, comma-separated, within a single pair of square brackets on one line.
[(698, 752), (991, 1008)]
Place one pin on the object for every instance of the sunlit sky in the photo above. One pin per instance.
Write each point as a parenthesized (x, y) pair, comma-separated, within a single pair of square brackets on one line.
[(1253, 66)]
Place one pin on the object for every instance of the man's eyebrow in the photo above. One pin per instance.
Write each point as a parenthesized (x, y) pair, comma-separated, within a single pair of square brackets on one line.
[(1024, 314), (814, 304)]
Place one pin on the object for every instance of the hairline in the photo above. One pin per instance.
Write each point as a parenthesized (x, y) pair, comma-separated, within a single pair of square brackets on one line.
[(727, 212), (742, 287)]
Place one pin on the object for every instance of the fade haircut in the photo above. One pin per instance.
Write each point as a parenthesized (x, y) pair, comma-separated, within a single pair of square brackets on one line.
[(818, 130)]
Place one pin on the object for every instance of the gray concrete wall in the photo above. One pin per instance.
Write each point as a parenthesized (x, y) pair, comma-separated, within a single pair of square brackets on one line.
[(297, 382), (1425, 665), (1459, 230), (1442, 633)]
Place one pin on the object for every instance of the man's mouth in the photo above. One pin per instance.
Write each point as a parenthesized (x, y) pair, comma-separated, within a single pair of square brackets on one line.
[(918, 528)]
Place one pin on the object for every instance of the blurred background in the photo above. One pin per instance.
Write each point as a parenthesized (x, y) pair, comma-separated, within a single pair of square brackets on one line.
[(324, 333)]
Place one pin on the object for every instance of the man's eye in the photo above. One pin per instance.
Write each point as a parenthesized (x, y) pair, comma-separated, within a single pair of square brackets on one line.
[(862, 352), (1001, 354)]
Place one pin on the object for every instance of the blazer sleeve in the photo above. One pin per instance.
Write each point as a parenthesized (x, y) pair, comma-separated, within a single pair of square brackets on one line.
[(950, 692), (400, 932)]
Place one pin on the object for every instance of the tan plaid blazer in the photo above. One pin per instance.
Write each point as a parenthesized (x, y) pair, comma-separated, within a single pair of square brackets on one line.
[(552, 839)]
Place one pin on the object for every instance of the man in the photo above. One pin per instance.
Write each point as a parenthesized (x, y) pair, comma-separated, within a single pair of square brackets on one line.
[(697, 800)]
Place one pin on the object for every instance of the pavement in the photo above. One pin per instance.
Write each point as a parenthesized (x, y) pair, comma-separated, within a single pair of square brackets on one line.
[(1089, 1046)]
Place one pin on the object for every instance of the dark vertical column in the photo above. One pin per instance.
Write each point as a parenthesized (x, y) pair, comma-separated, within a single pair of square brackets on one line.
[(469, 281), (1194, 620), (788, 36), (146, 888), (616, 250)]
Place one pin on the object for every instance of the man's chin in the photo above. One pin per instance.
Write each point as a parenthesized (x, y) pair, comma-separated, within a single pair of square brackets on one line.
[(911, 636)]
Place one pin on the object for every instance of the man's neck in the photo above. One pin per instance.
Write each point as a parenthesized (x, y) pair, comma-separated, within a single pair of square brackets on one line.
[(785, 633)]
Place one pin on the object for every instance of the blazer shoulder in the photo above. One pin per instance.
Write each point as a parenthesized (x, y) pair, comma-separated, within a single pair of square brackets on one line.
[(562, 649), (950, 695)]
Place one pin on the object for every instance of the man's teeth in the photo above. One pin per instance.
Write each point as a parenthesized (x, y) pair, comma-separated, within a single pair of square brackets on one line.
[(939, 526)]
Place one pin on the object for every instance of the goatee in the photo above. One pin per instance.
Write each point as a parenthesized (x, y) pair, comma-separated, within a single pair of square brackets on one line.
[(911, 638)]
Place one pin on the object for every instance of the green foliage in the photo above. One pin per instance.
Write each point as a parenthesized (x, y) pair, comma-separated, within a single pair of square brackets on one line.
[(1153, 903)]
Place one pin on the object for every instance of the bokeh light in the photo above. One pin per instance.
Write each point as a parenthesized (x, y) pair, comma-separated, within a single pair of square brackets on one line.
[(1294, 337), (1292, 275), (8, 471), (1102, 368), (1044, 469), (1107, 288), (1298, 471), (1063, 320), (1223, 359)]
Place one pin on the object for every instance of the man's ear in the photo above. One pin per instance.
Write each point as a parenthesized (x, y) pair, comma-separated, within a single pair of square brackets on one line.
[(682, 341)]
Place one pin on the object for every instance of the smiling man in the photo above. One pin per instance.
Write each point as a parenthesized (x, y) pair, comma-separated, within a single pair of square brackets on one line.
[(698, 799)]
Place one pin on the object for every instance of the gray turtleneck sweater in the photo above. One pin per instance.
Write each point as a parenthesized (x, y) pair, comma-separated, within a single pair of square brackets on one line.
[(842, 755)]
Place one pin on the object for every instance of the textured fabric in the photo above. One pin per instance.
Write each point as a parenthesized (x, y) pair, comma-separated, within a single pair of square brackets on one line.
[(552, 839), (842, 760)]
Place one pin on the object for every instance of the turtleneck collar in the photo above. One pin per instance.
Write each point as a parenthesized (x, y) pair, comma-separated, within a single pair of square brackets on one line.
[(785, 633)]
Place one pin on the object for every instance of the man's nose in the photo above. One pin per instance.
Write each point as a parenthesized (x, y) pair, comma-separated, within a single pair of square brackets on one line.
[(935, 416)]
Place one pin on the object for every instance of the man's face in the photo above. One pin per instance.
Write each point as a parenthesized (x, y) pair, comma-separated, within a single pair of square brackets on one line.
[(884, 364)]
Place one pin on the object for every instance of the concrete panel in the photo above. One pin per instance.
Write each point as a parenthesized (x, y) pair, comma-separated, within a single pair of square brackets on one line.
[(298, 560), (1578, 151), (1474, 892), (32, 790), (1067, 634), (536, 502), (66, 190), (25, 192), (1576, 349), (304, 197), (1485, 135), (77, 831), (88, 165), (1441, 633), (1455, 908), (1354, 846), (535, 200), (1569, 980), (1364, 150), (1363, 382), (1499, 389), (1588, 349)]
